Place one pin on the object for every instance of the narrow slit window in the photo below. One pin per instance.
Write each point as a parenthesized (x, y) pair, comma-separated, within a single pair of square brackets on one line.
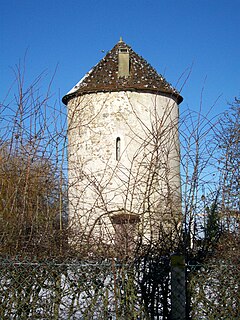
[(118, 142)]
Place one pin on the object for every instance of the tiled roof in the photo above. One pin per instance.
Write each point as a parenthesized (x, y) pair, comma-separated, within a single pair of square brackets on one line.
[(104, 77)]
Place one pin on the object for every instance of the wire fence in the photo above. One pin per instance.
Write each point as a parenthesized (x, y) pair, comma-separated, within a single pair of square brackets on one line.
[(214, 291), (69, 290), (53, 289)]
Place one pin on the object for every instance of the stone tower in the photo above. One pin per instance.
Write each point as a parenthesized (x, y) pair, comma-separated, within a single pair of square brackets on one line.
[(123, 152)]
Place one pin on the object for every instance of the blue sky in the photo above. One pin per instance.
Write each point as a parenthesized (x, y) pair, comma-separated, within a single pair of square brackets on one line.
[(174, 36)]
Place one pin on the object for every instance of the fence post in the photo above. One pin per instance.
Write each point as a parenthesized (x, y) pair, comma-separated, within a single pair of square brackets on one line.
[(178, 288)]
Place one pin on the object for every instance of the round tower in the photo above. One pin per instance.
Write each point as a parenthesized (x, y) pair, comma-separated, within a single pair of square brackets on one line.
[(123, 152)]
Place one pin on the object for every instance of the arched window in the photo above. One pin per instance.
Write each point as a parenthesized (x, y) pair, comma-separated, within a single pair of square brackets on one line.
[(118, 141)]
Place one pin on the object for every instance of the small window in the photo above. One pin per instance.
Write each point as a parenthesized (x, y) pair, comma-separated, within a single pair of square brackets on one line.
[(123, 50), (118, 141)]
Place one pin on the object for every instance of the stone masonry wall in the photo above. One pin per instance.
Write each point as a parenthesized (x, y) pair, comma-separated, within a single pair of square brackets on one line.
[(144, 181)]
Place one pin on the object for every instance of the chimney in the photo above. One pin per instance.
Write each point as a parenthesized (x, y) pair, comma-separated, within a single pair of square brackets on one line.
[(123, 62)]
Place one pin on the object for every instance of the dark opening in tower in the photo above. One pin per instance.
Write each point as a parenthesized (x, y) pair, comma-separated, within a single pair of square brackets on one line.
[(125, 226), (118, 148)]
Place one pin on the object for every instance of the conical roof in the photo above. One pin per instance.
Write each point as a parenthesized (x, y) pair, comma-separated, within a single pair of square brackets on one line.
[(104, 77)]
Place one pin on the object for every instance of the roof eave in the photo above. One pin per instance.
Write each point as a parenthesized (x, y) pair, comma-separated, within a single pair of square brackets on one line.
[(175, 95)]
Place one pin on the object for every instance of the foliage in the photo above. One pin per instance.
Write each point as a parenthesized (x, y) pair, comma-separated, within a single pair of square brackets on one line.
[(32, 183), (29, 201), (229, 166), (213, 223), (214, 284)]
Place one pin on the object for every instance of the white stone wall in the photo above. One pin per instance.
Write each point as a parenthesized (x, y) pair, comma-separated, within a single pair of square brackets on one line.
[(146, 179)]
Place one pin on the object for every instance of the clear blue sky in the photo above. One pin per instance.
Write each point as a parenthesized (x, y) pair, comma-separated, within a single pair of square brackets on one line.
[(172, 35)]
